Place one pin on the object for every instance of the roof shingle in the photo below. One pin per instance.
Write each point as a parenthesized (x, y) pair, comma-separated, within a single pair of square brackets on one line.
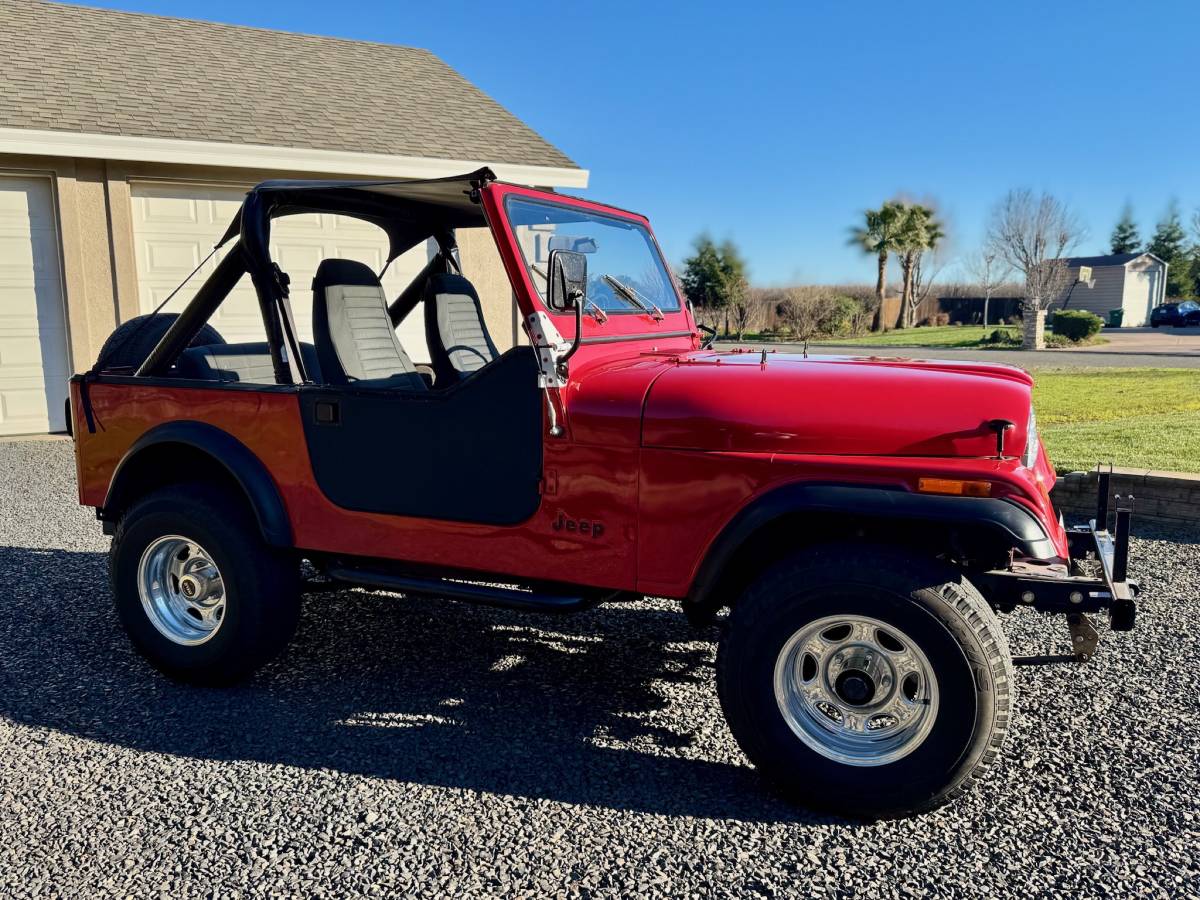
[(72, 68)]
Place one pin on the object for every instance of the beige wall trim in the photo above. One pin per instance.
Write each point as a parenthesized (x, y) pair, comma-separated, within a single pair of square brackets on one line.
[(251, 156), (96, 254)]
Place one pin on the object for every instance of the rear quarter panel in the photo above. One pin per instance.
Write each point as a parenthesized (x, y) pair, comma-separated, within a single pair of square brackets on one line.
[(599, 483)]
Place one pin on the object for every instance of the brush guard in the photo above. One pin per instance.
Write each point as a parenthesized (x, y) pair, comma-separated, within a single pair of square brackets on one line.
[(1095, 579)]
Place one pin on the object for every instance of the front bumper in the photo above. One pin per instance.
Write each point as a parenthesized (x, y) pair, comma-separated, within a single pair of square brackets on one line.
[(1095, 578)]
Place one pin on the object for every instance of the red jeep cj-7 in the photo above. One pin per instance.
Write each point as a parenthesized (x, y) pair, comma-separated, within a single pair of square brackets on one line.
[(862, 519)]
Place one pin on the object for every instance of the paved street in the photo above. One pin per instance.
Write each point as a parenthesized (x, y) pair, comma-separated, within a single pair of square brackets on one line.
[(1171, 348), (407, 748), (1026, 359)]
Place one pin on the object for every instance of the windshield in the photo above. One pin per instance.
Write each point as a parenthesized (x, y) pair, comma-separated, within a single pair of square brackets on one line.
[(617, 248)]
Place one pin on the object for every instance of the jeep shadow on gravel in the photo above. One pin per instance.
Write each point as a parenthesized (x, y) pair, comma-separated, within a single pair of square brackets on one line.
[(863, 519)]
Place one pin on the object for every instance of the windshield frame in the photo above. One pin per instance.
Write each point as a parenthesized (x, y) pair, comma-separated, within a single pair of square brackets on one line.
[(627, 219)]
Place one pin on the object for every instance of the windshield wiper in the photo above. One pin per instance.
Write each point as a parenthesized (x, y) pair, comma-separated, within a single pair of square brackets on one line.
[(632, 296)]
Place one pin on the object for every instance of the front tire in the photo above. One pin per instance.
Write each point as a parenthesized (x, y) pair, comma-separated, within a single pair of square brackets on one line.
[(198, 590), (864, 681)]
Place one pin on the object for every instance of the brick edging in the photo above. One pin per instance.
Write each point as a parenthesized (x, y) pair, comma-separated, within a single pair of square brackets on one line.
[(1169, 498)]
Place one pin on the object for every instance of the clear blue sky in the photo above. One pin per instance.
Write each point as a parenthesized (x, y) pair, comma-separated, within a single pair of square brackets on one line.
[(775, 125)]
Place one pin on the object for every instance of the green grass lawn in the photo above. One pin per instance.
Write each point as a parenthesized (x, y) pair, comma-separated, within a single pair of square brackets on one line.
[(943, 336), (1140, 418)]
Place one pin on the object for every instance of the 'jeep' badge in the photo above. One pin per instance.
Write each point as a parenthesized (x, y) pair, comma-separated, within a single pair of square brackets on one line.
[(584, 527)]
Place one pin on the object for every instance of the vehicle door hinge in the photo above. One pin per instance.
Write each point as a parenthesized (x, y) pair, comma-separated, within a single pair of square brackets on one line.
[(550, 483)]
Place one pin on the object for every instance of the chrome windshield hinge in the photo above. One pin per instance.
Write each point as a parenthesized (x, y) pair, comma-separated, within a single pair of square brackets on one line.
[(550, 347)]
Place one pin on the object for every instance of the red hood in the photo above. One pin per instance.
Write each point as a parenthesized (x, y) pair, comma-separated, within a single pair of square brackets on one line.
[(835, 405)]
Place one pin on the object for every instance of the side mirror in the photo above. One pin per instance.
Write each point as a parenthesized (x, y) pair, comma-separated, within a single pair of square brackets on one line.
[(568, 280)]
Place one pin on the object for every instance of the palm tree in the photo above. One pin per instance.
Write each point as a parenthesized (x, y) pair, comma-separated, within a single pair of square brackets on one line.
[(880, 236), (919, 232)]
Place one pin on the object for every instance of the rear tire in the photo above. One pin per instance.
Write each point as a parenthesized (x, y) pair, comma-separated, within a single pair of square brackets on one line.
[(198, 590), (903, 701)]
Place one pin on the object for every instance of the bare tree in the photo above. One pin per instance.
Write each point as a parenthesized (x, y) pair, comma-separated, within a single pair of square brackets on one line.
[(803, 311), (1033, 234), (989, 269), (745, 313), (925, 270)]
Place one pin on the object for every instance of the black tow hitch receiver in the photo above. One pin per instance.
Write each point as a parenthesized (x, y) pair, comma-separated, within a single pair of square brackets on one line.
[(1094, 580)]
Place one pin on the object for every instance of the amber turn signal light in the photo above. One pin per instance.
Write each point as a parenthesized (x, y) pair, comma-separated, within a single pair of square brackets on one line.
[(955, 487)]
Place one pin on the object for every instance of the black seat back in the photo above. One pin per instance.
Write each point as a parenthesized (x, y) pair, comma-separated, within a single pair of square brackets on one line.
[(457, 336), (247, 363), (356, 343)]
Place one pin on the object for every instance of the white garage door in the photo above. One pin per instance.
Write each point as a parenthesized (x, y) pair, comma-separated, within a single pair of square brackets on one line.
[(175, 226), (33, 334)]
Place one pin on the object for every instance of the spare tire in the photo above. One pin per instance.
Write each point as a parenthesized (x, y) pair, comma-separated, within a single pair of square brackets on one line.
[(132, 342)]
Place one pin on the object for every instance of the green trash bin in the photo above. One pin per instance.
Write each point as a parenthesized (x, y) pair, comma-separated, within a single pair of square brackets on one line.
[(1114, 317)]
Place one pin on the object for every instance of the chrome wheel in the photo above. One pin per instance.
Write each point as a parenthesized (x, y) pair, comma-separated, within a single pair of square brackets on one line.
[(181, 590), (856, 690)]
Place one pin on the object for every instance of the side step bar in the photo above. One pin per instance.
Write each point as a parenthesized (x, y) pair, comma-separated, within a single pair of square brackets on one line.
[(472, 592)]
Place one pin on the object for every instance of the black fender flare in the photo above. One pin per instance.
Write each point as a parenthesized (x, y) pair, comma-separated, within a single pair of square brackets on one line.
[(231, 454), (1009, 521)]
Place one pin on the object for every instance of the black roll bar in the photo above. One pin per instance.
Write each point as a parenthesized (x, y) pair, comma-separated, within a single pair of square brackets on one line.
[(208, 297)]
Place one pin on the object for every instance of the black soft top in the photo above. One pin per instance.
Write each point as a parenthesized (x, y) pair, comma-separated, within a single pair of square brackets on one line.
[(405, 210)]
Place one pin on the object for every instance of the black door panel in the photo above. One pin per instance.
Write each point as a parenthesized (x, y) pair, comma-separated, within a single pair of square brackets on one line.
[(472, 453)]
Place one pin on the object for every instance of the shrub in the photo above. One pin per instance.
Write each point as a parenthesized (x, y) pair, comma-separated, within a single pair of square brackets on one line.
[(864, 315), (838, 315), (811, 311), (800, 313), (1076, 324), (999, 336)]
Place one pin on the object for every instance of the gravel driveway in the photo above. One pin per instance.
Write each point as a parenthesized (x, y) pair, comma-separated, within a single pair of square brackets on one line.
[(441, 749)]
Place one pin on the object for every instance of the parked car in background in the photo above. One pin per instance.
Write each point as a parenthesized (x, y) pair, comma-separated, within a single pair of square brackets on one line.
[(1164, 314), (1187, 314), (1176, 314)]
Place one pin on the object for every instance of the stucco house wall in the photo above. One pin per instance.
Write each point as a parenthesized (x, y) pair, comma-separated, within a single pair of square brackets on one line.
[(96, 104)]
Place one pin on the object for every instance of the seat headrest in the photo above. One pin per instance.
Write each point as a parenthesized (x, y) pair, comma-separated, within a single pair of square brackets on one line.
[(449, 283), (343, 271)]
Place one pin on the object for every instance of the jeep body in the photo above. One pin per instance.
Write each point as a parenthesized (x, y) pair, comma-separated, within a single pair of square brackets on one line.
[(618, 455)]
